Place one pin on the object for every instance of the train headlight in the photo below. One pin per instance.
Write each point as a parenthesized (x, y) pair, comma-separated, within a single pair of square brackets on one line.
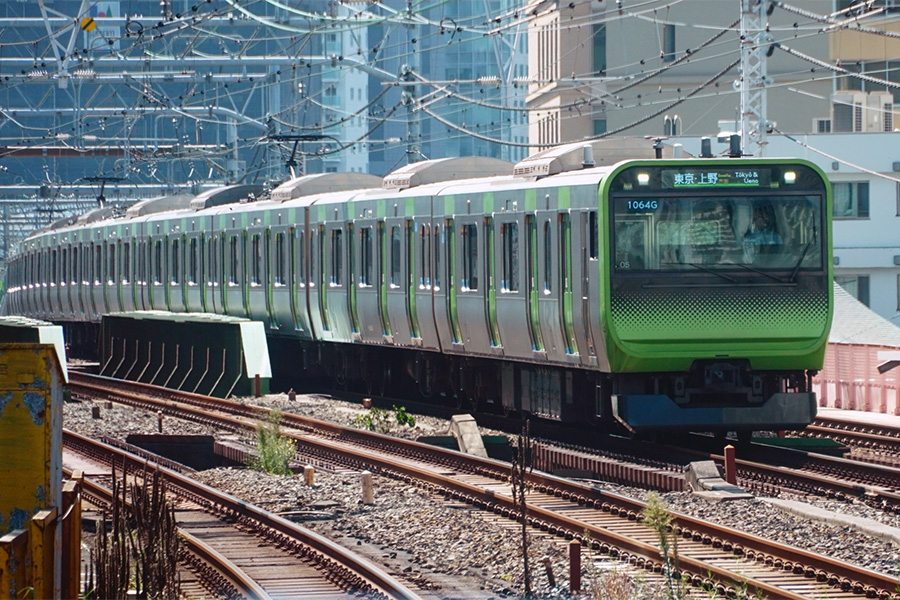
[(643, 178), (790, 177)]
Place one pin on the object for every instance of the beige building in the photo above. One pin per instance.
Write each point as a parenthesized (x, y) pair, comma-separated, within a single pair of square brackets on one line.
[(631, 68)]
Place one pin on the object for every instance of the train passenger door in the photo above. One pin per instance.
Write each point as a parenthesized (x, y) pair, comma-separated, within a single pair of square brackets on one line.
[(96, 262), (511, 312), (257, 278), (214, 274), (193, 273), (300, 281), (156, 284), (278, 299), (586, 274), (548, 285), (471, 299), (397, 258), (234, 274), (111, 285), (126, 275)]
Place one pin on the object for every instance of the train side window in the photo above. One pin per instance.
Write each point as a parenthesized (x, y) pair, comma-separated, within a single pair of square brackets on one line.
[(425, 249), (337, 257), (213, 276), (469, 258), (438, 243), (98, 264), (64, 266), (142, 264), (194, 262), (233, 263), (157, 262), (111, 264), (301, 260), (593, 236), (564, 251), (279, 259), (126, 262), (548, 257), (395, 256), (509, 240), (255, 259), (54, 267), (367, 257), (175, 275)]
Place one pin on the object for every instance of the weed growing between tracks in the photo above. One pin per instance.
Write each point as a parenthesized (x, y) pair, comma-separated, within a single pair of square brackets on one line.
[(274, 451), (140, 554), (378, 420)]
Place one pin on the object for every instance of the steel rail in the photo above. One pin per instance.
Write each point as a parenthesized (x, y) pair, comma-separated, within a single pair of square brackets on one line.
[(821, 567), (365, 570)]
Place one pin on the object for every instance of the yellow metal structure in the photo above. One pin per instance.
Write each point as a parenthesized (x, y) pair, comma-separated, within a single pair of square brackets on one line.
[(31, 385)]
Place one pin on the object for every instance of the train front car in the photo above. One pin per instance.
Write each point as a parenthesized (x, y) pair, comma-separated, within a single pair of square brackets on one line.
[(719, 292)]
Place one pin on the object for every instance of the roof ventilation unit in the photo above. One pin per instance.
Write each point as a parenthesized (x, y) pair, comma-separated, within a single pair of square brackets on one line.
[(446, 169), (322, 183), (159, 204), (226, 195), (573, 157)]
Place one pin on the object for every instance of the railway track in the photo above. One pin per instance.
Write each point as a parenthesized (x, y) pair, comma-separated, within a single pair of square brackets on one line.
[(711, 557), (239, 550), (878, 444)]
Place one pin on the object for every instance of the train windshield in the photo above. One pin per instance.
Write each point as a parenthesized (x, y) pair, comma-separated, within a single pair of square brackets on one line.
[(682, 232)]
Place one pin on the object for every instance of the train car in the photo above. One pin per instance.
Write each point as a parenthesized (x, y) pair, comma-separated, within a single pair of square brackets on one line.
[(662, 294)]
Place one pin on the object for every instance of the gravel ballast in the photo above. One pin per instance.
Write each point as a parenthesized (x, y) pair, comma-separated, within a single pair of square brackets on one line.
[(460, 548)]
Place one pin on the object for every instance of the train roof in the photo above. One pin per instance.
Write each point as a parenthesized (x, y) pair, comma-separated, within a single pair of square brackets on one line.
[(581, 163)]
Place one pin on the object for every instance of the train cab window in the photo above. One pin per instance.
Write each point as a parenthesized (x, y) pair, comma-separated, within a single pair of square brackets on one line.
[(193, 262), (126, 262), (469, 257), (157, 261), (233, 262), (255, 260), (279, 274), (395, 256), (593, 236), (548, 257), (336, 277), (509, 241), (366, 256), (111, 265)]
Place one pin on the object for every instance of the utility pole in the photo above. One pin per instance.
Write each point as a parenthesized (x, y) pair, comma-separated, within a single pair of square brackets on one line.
[(755, 40)]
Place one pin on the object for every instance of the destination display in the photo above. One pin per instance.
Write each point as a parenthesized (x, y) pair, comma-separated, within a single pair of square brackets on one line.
[(695, 178)]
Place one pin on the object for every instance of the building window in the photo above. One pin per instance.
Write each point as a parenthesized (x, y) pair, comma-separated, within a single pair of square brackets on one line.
[(669, 43), (898, 199), (851, 200), (599, 50), (855, 285)]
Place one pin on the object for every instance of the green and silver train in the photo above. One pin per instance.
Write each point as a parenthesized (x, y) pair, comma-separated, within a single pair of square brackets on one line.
[(662, 294)]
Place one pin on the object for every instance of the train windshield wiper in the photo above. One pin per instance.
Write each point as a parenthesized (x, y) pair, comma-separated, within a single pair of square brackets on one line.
[(705, 269), (800, 261)]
